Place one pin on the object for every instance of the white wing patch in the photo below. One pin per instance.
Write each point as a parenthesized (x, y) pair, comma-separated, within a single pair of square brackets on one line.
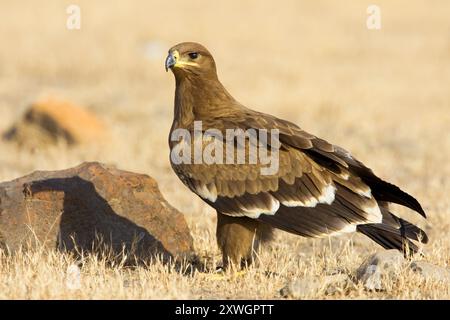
[(367, 193), (374, 213), (327, 196), (349, 228), (254, 212), (208, 191)]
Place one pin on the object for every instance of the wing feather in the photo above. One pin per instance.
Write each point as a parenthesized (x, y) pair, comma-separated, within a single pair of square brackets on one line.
[(319, 188)]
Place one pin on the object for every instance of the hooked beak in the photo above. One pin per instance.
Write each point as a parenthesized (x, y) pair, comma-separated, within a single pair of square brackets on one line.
[(170, 61)]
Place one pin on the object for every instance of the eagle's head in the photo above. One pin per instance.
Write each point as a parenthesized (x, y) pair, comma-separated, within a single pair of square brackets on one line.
[(190, 59)]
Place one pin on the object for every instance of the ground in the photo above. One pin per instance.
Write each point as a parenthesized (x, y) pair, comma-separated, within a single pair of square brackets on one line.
[(382, 94)]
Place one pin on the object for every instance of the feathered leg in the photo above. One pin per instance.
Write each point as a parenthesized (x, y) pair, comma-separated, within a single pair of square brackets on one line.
[(238, 238)]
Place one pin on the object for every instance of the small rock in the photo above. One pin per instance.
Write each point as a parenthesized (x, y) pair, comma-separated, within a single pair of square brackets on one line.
[(336, 283), (379, 268), (90, 207), (308, 287), (430, 271), (50, 120), (301, 288)]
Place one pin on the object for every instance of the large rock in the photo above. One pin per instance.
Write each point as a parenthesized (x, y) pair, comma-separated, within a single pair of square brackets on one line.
[(87, 207), (50, 120)]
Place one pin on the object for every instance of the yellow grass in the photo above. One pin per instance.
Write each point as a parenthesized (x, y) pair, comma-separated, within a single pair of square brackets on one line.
[(383, 94)]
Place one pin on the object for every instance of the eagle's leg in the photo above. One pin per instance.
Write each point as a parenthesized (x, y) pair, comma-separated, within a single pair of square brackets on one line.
[(238, 238)]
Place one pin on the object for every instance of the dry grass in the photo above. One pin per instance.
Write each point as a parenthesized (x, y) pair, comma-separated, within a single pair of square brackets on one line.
[(384, 95)]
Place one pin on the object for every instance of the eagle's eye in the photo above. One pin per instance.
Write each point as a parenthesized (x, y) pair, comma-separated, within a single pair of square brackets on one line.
[(193, 55)]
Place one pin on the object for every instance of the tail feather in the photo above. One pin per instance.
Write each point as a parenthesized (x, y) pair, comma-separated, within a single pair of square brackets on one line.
[(394, 238), (385, 191), (407, 229), (382, 190), (412, 231)]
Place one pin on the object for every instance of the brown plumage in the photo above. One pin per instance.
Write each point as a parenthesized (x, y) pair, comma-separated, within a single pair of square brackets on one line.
[(319, 188)]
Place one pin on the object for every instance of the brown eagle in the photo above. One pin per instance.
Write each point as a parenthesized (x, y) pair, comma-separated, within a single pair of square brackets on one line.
[(317, 189)]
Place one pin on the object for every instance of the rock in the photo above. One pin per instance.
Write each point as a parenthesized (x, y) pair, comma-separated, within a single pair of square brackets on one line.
[(301, 288), (50, 120), (431, 271), (379, 269), (336, 283), (90, 206), (308, 287)]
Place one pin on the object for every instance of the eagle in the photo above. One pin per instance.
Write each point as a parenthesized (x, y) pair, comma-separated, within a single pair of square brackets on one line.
[(318, 189)]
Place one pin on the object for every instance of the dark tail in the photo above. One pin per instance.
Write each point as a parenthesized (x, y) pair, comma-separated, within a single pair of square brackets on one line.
[(385, 191), (390, 237)]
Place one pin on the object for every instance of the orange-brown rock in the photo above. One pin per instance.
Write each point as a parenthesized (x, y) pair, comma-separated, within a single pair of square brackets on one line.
[(75, 208), (50, 120)]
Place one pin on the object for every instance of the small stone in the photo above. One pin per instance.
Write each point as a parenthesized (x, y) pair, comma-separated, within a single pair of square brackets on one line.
[(382, 267), (336, 283), (301, 288), (431, 271), (308, 287)]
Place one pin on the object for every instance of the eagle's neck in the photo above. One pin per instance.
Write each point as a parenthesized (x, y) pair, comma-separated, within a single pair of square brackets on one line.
[(200, 98)]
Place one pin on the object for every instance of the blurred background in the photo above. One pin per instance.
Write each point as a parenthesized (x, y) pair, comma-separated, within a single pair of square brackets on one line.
[(383, 94)]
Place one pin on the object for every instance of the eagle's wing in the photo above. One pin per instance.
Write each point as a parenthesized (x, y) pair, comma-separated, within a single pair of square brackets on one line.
[(318, 189), (339, 160)]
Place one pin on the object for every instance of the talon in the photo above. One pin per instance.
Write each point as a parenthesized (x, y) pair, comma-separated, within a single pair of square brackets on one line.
[(219, 275)]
